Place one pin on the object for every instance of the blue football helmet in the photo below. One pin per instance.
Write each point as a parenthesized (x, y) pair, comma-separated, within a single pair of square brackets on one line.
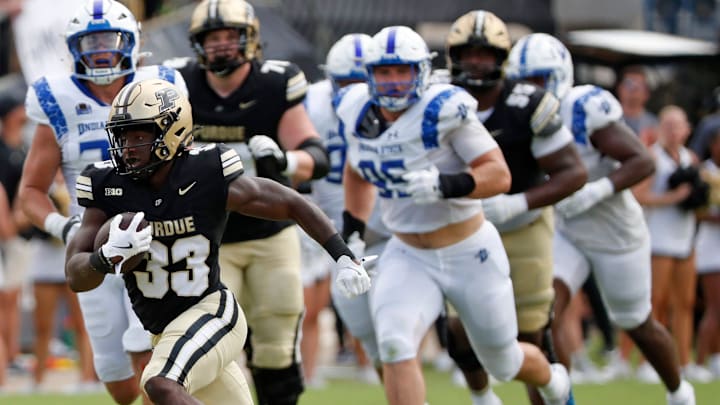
[(399, 45), (103, 38)]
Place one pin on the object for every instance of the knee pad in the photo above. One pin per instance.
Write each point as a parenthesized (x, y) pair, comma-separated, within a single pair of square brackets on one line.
[(278, 387), (629, 320), (462, 354), (503, 362), (395, 349)]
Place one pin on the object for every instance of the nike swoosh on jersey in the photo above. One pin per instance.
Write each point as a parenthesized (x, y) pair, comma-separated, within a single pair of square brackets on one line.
[(183, 191), (247, 104), (495, 133)]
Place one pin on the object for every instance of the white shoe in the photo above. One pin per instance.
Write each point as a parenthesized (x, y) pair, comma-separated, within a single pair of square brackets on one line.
[(585, 371), (488, 398), (685, 395), (697, 373), (443, 362), (714, 365), (316, 383), (563, 394), (645, 373), (617, 368), (458, 378), (577, 376), (368, 375)]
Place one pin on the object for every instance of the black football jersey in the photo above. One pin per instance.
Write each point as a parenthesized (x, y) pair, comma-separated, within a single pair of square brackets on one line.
[(187, 216), (271, 88), (523, 111)]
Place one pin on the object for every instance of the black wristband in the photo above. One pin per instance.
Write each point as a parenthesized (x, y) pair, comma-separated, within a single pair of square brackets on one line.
[(68, 226), (456, 185), (100, 263), (351, 225), (336, 247)]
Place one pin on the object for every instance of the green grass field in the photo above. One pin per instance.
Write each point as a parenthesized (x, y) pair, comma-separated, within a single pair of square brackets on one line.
[(440, 392)]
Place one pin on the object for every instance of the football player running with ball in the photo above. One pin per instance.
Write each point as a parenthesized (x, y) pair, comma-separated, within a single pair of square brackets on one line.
[(104, 40), (255, 106), (424, 152), (198, 329)]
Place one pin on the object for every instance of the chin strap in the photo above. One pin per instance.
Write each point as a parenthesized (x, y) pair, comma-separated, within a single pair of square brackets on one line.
[(224, 67)]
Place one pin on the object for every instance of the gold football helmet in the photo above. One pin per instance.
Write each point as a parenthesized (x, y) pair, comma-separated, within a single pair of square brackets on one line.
[(477, 29), (211, 15), (161, 108)]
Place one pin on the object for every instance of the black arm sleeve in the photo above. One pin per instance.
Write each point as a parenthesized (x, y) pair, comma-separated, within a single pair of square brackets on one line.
[(317, 151)]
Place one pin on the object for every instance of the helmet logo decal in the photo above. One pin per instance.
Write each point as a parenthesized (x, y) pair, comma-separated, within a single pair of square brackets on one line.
[(98, 10), (167, 97), (357, 40), (390, 47)]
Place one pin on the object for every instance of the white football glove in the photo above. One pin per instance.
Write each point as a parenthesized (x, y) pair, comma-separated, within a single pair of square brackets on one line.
[(352, 279), (585, 198), (62, 227), (424, 185), (356, 245), (504, 207), (126, 243), (263, 146)]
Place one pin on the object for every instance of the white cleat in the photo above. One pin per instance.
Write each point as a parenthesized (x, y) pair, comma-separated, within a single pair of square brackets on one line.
[(685, 395), (697, 373), (646, 374)]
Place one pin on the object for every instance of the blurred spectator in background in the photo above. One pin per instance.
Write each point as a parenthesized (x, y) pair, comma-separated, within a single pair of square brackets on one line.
[(39, 33), (633, 93), (7, 231), (706, 129), (708, 261), (8, 10), (690, 18), (50, 288), (12, 156), (674, 275)]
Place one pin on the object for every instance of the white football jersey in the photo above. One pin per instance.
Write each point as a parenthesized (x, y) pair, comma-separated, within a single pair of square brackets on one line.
[(78, 119), (420, 138), (327, 192), (616, 223)]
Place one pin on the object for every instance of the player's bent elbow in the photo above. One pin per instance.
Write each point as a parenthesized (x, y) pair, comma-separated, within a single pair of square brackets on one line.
[(76, 281), (646, 166), (504, 182)]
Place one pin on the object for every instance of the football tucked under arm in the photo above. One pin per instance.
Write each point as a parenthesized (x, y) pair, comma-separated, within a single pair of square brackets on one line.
[(103, 235)]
